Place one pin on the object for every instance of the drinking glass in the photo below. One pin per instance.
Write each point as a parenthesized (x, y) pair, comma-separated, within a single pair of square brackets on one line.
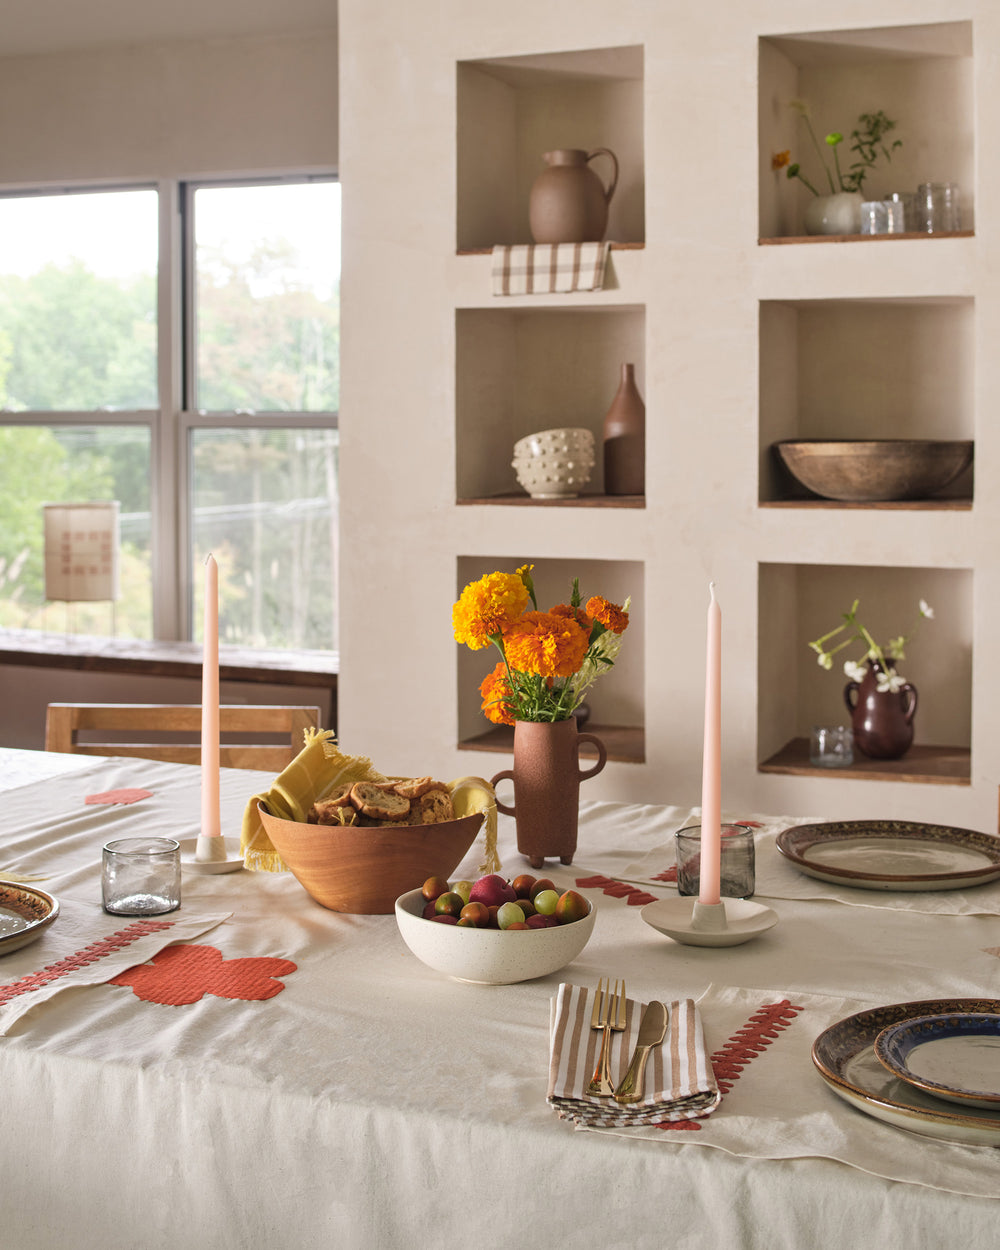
[(736, 861), (937, 207), (141, 876), (831, 746)]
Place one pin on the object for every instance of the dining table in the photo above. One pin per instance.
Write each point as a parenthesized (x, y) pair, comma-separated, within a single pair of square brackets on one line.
[(255, 1070)]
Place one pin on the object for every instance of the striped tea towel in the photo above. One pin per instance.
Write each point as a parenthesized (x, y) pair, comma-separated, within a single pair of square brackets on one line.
[(680, 1083), (541, 268)]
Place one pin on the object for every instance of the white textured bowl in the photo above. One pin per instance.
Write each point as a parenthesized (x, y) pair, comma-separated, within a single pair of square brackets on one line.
[(549, 477), (489, 956), (558, 441)]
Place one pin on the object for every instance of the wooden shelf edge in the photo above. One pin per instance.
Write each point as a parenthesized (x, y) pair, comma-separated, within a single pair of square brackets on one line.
[(486, 251), (909, 235), (625, 744), (576, 501), (922, 765), (884, 505)]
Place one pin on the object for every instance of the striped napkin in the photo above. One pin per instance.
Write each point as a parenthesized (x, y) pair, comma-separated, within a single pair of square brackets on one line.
[(680, 1083), (542, 268)]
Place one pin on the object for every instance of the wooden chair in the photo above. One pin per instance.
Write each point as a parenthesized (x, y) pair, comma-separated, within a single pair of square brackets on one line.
[(267, 737)]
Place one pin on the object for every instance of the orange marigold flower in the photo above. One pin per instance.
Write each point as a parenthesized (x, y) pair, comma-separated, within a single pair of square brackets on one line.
[(575, 614), (485, 607), (495, 690), (545, 644), (609, 614), (780, 159)]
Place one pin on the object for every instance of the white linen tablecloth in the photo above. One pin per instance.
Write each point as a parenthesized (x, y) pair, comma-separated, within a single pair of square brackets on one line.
[(373, 1101)]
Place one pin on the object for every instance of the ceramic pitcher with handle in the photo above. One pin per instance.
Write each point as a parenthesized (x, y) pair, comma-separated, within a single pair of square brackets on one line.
[(569, 203)]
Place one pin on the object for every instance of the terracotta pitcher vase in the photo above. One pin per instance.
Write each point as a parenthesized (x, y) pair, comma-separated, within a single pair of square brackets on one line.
[(547, 776), (882, 720), (568, 202), (625, 439)]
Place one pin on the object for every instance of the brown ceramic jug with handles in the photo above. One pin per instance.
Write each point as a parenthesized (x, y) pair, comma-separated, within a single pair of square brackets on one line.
[(569, 203)]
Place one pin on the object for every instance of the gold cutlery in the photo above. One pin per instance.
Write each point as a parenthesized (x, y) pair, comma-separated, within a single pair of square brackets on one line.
[(652, 1031), (608, 1014)]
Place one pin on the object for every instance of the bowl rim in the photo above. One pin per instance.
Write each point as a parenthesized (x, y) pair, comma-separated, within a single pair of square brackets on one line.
[(411, 897)]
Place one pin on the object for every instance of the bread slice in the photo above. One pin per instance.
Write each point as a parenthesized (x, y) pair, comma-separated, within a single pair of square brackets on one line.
[(379, 802)]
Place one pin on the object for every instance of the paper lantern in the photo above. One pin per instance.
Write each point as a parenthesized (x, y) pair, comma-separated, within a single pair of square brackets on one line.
[(81, 551)]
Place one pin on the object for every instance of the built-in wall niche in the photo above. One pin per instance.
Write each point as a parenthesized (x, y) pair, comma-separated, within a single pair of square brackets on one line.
[(616, 700), (921, 76), (522, 370), (511, 110), (798, 603), (864, 369)]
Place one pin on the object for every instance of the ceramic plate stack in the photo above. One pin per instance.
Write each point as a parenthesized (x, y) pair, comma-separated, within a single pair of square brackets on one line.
[(554, 464)]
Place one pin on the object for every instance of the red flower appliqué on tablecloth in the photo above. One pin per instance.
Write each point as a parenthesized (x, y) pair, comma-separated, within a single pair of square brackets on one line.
[(184, 974), (616, 889), (728, 1062), (122, 797)]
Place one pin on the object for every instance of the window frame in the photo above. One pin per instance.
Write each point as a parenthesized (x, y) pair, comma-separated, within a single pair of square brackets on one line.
[(172, 423)]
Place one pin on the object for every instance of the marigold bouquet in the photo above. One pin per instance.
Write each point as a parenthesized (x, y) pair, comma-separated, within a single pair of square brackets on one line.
[(548, 659)]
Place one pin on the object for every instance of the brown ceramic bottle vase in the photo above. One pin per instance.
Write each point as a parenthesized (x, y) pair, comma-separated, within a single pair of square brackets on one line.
[(625, 439), (882, 720), (547, 776), (568, 202)]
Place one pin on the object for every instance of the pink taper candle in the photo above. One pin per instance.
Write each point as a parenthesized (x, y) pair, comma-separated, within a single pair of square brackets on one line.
[(211, 825), (711, 776)]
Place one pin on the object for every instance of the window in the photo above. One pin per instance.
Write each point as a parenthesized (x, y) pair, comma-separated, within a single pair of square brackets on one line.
[(214, 425)]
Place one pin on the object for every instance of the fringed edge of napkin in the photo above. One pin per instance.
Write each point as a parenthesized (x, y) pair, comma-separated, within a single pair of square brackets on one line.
[(321, 766)]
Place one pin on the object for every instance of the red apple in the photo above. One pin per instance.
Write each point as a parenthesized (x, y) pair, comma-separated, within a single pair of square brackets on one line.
[(492, 890)]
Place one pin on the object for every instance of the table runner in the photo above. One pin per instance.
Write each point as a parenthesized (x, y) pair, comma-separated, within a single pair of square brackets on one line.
[(776, 877), (86, 946), (775, 1105)]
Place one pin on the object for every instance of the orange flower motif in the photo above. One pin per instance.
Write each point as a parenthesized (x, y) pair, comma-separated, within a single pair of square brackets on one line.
[(780, 159), (495, 690), (485, 607), (545, 644), (574, 614), (609, 614)]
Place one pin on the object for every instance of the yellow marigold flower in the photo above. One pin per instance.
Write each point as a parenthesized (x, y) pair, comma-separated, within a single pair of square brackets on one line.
[(485, 607), (609, 614), (495, 690), (545, 644), (780, 159)]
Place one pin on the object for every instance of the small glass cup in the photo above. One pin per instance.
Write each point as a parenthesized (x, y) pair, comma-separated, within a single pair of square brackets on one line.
[(874, 217), (937, 207), (736, 861), (902, 207), (831, 746), (141, 876)]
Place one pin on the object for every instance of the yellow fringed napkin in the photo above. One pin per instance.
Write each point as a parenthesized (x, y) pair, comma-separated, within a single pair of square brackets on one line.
[(321, 767)]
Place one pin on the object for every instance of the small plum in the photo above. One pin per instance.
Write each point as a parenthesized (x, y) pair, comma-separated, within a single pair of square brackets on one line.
[(571, 906), (429, 913), (527, 906), (509, 914), (542, 883), (449, 904), (545, 903), (462, 887), (518, 925), (445, 920), (538, 921), (477, 914), (522, 885), (492, 890), (433, 887)]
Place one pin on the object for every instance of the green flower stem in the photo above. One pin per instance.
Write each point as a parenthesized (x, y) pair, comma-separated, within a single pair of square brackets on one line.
[(820, 154)]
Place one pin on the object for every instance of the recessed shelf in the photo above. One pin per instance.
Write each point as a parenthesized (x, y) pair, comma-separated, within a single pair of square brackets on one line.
[(625, 744), (884, 505), (615, 247), (949, 766), (580, 501), (909, 235)]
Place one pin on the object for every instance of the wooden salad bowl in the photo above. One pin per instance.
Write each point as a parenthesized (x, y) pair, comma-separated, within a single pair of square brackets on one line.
[(364, 870), (875, 469)]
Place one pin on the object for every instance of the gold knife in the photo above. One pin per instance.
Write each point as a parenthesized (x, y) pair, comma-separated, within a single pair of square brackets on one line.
[(652, 1031)]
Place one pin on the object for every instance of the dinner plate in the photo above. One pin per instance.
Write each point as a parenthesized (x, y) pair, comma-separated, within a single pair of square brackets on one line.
[(25, 912), (892, 854), (955, 1057), (844, 1055)]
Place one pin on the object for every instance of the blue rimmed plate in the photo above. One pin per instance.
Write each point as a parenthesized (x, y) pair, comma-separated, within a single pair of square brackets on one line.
[(954, 1056)]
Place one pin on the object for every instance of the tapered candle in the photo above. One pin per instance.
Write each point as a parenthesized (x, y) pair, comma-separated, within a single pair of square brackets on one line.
[(711, 774), (211, 825)]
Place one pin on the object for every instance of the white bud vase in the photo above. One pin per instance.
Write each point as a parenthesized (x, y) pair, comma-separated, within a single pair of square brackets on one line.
[(834, 214)]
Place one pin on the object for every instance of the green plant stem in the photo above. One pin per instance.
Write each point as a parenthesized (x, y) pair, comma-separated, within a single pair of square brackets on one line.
[(819, 153)]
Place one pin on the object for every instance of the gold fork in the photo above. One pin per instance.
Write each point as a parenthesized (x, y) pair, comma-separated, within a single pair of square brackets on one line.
[(608, 1014)]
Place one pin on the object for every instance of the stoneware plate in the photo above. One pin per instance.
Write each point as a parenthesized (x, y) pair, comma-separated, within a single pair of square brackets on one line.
[(955, 1057), (892, 854), (25, 913), (844, 1055)]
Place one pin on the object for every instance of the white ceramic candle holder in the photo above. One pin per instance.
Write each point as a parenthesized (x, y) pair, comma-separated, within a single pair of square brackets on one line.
[(728, 923), (208, 855)]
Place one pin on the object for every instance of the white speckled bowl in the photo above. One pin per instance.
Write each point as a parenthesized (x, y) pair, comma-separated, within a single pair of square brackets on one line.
[(554, 464), (489, 956), (555, 442)]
